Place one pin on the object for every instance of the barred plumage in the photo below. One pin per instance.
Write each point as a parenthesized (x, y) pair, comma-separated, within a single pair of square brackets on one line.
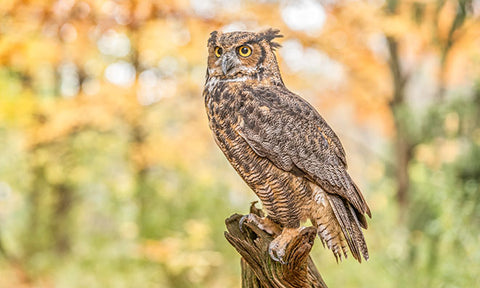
[(279, 144)]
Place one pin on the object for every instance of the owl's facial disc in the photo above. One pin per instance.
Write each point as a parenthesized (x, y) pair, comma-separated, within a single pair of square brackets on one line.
[(235, 55)]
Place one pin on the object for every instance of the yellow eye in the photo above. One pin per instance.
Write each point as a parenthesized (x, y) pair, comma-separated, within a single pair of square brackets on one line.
[(244, 51), (218, 51)]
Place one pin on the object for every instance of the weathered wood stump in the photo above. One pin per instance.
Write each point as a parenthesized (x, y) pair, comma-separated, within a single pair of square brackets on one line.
[(259, 270)]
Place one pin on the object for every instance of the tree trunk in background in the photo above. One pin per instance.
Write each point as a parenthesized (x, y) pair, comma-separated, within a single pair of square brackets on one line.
[(60, 222), (402, 144), (32, 232), (403, 156), (144, 193), (139, 175)]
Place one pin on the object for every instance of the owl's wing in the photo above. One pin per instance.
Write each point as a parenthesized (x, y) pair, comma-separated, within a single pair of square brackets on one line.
[(295, 137)]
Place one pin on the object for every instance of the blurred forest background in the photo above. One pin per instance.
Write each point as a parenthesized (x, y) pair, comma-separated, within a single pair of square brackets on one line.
[(109, 176)]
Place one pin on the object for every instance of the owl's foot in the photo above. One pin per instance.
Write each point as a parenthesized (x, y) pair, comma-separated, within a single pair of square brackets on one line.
[(263, 223), (278, 246)]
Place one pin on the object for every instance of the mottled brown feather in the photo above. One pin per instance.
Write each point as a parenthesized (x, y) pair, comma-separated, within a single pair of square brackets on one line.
[(280, 145)]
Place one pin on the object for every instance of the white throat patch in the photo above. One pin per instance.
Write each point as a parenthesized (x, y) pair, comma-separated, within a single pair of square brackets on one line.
[(213, 81)]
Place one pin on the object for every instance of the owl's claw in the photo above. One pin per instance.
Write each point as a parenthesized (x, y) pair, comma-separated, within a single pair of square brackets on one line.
[(249, 218), (280, 254), (264, 224), (242, 220), (278, 246), (252, 218)]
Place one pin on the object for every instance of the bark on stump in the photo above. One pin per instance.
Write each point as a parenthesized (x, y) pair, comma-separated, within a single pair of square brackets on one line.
[(259, 270)]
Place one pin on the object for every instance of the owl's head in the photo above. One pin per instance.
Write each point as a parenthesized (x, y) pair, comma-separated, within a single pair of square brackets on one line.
[(243, 54)]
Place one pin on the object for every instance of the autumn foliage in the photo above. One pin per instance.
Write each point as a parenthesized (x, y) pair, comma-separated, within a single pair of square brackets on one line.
[(109, 176)]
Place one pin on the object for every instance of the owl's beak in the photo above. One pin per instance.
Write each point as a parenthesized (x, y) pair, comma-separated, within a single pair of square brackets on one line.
[(228, 63)]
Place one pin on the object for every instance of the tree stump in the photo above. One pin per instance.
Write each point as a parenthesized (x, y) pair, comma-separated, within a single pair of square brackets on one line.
[(259, 270)]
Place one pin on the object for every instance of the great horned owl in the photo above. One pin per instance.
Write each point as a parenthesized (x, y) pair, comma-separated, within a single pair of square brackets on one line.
[(281, 146)]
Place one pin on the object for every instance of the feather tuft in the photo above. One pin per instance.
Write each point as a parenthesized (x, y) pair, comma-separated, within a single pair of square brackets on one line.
[(269, 35), (213, 38)]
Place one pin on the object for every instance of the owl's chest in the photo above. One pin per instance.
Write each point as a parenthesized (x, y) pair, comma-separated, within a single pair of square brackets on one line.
[(223, 104)]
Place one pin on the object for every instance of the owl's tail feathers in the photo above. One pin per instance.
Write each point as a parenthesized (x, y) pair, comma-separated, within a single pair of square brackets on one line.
[(350, 225), (363, 204), (331, 236)]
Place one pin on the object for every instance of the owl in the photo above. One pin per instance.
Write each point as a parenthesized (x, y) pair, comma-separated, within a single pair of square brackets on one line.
[(281, 147)]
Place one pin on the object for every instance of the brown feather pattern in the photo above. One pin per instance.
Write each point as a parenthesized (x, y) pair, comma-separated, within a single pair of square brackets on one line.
[(280, 145)]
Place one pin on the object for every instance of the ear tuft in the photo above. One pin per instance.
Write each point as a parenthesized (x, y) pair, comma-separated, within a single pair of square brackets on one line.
[(269, 35), (213, 38)]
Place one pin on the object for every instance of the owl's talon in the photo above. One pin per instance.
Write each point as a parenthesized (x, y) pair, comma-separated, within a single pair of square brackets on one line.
[(272, 253), (250, 218), (278, 246), (240, 223)]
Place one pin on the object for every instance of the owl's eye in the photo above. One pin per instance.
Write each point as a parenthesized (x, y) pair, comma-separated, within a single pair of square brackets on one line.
[(218, 51), (244, 51)]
